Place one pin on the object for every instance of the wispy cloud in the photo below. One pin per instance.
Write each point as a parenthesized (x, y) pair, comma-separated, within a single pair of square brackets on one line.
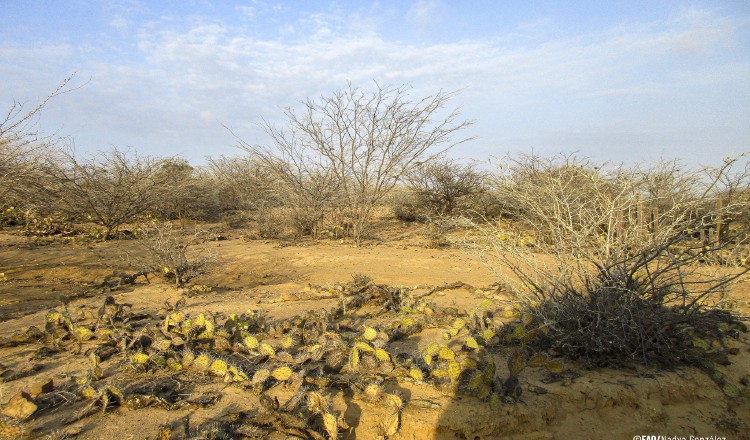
[(423, 12), (554, 92)]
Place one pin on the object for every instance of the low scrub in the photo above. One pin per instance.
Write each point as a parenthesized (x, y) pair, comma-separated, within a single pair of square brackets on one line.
[(610, 274), (167, 253)]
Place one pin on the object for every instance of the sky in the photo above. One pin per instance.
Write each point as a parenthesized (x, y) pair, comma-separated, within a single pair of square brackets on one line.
[(622, 81)]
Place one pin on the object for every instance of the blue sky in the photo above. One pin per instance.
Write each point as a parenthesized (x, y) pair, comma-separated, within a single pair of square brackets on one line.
[(621, 81)]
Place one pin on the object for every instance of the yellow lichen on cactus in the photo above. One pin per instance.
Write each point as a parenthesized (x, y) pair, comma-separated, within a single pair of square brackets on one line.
[(365, 347), (202, 361), (251, 342), (488, 334), (369, 333), (330, 424), (554, 366), (84, 334), (316, 403), (176, 317), (266, 350), (454, 370), (282, 373), (208, 332), (382, 355), (700, 343), (731, 390), (174, 365), (219, 367), (53, 316), (495, 401), (484, 391), (200, 320), (139, 358), (163, 344), (159, 360), (432, 348), (439, 373), (527, 319), (354, 358), (416, 374), (446, 354), (88, 392), (475, 381)]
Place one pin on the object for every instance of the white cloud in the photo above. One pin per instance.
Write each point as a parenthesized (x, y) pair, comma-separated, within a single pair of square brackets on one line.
[(247, 11), (609, 88), (120, 23), (423, 12)]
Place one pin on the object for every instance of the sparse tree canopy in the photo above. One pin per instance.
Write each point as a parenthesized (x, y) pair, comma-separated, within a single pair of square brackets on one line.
[(366, 141), (22, 147), (441, 184), (607, 259), (111, 188)]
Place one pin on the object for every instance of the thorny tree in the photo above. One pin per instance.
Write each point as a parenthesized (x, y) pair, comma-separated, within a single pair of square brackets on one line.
[(443, 183), (363, 142), (607, 260), (22, 147), (111, 188), (243, 183)]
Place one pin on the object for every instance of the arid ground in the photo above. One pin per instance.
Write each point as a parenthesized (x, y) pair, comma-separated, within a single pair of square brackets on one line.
[(278, 280)]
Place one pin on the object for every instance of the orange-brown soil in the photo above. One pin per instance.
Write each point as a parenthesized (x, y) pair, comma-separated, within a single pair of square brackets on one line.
[(282, 280)]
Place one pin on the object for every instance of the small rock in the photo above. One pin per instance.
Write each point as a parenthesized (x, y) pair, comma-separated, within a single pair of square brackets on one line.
[(21, 406), (41, 388)]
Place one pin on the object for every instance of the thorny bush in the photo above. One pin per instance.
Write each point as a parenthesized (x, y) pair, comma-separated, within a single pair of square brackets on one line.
[(614, 276), (167, 252)]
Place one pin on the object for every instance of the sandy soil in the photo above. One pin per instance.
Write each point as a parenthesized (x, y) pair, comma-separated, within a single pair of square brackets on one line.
[(285, 279)]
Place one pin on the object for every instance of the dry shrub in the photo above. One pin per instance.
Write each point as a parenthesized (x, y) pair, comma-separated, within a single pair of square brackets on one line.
[(168, 254), (611, 273), (436, 232), (407, 207), (443, 185), (270, 222), (353, 146), (236, 219)]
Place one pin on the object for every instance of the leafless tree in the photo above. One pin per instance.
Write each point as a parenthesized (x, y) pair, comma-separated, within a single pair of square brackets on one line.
[(168, 252), (242, 182), (111, 188), (729, 186), (361, 142), (188, 192), (441, 184), (22, 146), (598, 255)]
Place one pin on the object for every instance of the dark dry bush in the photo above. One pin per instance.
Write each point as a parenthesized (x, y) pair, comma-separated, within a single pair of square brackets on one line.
[(614, 327), (236, 219)]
